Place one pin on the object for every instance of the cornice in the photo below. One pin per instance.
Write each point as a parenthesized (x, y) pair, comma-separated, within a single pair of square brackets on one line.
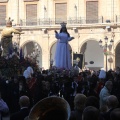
[(69, 26), (3, 1)]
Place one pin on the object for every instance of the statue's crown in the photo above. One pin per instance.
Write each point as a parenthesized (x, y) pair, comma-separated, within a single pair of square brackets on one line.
[(9, 22), (63, 24)]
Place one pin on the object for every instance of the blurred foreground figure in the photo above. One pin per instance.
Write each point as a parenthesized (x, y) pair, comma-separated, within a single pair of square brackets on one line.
[(24, 103), (4, 110), (90, 113), (50, 108), (79, 105), (115, 114), (112, 103)]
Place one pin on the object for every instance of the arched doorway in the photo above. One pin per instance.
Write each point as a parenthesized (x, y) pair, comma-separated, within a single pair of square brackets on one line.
[(117, 56), (33, 50), (52, 52), (92, 54)]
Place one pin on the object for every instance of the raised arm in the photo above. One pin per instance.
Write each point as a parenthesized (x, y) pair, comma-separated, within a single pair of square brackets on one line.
[(16, 31), (70, 38), (57, 35)]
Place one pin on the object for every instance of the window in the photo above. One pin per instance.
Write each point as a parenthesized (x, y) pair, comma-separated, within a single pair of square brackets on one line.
[(31, 14), (2, 14), (60, 12), (91, 11)]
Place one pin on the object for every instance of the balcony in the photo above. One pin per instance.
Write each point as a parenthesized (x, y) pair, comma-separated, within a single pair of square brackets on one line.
[(52, 21), (2, 23), (83, 20)]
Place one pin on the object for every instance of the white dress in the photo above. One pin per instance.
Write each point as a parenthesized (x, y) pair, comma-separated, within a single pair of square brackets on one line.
[(62, 54)]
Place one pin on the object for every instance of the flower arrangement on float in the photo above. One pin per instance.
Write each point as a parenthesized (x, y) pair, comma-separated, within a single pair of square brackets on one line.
[(13, 64)]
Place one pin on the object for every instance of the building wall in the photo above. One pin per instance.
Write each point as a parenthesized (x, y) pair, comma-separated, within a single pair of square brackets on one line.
[(107, 9)]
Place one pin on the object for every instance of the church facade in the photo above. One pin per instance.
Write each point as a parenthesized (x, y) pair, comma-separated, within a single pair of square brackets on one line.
[(89, 21)]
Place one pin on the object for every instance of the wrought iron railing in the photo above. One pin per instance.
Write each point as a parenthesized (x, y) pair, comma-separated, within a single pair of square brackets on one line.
[(82, 20), (53, 21), (2, 23), (42, 21)]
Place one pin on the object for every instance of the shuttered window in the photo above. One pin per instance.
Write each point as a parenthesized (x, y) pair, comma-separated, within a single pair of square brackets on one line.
[(92, 12), (60, 12), (2, 14), (31, 14)]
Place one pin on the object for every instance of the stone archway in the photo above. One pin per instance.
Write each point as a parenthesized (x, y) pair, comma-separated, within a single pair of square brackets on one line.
[(52, 51), (92, 54), (31, 48), (117, 55)]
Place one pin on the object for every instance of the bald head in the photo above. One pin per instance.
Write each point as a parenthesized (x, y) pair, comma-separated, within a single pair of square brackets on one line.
[(90, 113), (79, 101), (115, 114), (24, 101), (109, 85), (112, 101)]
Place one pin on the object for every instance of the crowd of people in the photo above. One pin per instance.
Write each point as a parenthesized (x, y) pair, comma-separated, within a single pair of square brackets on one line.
[(59, 93), (89, 93)]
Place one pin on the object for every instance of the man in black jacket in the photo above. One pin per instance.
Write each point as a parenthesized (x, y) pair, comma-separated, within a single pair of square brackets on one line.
[(24, 109)]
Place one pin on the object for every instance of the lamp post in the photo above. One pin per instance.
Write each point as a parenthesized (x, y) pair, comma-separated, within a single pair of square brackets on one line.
[(51, 63), (105, 47)]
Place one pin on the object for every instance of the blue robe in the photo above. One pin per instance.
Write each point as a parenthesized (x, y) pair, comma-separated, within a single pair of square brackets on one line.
[(62, 54)]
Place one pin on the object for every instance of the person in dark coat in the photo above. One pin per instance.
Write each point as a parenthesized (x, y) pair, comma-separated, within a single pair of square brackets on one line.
[(91, 113), (24, 109), (112, 103), (79, 105), (115, 114)]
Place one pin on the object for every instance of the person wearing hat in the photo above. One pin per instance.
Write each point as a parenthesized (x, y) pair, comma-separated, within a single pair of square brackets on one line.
[(62, 55), (6, 38)]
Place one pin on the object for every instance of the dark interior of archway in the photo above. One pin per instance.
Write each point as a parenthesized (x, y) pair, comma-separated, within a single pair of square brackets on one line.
[(83, 48), (52, 51), (29, 47)]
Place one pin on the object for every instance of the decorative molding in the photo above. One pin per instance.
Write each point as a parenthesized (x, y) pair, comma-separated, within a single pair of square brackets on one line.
[(2, 1), (45, 31), (30, 0), (92, 0), (75, 30)]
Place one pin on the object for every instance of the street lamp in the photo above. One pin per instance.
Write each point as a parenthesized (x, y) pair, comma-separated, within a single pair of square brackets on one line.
[(51, 63), (106, 46)]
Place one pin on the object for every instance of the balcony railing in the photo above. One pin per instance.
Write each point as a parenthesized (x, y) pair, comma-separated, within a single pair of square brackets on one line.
[(50, 21), (82, 20), (2, 23), (53, 21)]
